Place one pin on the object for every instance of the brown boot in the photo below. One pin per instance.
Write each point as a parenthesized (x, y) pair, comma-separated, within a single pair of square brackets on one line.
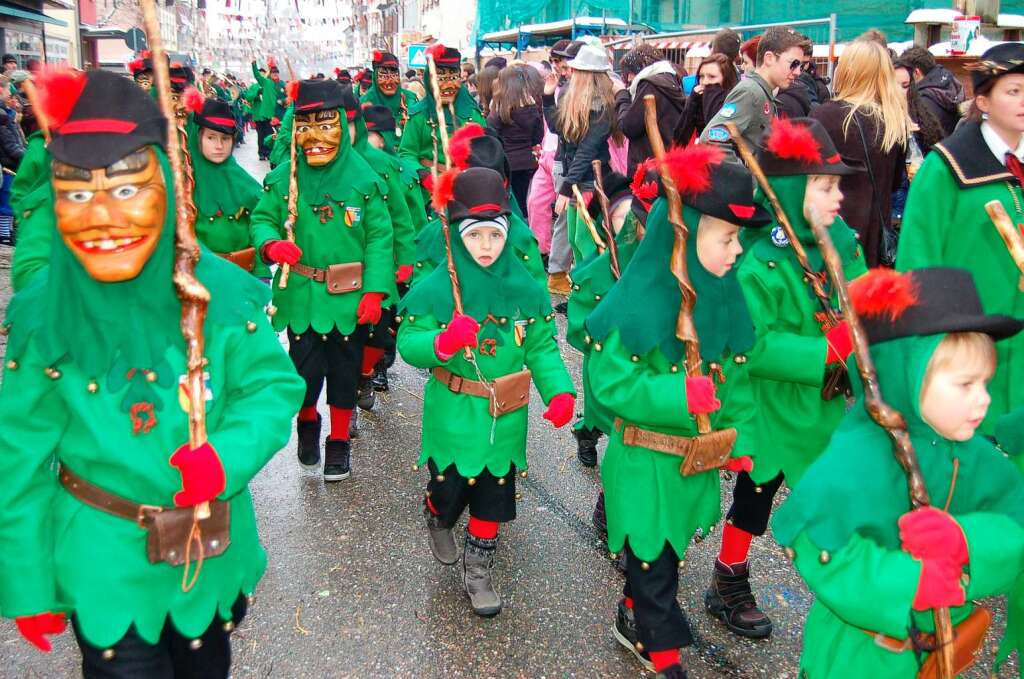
[(559, 284), (730, 600)]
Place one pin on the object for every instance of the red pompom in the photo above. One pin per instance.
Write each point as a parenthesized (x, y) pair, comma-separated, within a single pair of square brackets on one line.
[(644, 189), (793, 142), (271, 63), (194, 100), (59, 90), (690, 167), (461, 144), (337, 71), (436, 51), (444, 188), (883, 292), (136, 65), (377, 55), (291, 90)]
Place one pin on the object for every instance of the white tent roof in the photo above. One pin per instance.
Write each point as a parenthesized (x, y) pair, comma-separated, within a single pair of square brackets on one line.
[(946, 16), (977, 48), (552, 27)]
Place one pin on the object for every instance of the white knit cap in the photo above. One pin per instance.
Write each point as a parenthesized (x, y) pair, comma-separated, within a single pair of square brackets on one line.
[(500, 223)]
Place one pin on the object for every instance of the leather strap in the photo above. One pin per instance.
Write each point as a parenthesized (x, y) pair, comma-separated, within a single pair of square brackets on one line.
[(318, 275), (663, 443), (460, 385), (899, 645), (97, 498)]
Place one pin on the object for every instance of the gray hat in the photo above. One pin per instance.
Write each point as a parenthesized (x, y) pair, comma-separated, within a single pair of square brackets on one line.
[(591, 58)]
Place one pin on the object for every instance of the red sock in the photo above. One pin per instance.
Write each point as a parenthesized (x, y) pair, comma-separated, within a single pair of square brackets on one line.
[(485, 530), (432, 508), (340, 417), (629, 602), (664, 659), (308, 414), (371, 356), (735, 545)]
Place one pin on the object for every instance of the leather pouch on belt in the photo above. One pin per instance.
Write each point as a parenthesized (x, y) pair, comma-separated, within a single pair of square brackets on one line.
[(245, 259), (342, 278), (168, 532), (511, 392), (968, 638)]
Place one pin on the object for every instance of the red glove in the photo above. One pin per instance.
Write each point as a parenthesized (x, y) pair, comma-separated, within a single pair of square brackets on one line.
[(560, 410), (281, 252), (700, 395), (461, 332), (739, 464), (939, 586), (427, 180), (275, 121), (404, 273), (840, 344), (368, 311), (930, 533), (34, 628), (202, 475)]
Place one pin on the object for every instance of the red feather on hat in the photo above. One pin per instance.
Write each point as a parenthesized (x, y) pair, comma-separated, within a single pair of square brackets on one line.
[(436, 51), (793, 142), (271, 62), (461, 143), (337, 71), (642, 188), (690, 167), (444, 189), (194, 100), (59, 90), (883, 292), (136, 65), (291, 90), (377, 55)]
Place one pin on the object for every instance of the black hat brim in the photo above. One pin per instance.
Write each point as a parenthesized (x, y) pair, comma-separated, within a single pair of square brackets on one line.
[(96, 150), (996, 326)]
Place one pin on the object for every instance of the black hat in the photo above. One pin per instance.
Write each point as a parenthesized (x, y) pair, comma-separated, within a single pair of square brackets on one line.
[(731, 197), (350, 103), (497, 62), (87, 130), (487, 151), (997, 61), (801, 146), (478, 193), (384, 60), (924, 302), (343, 76), (560, 47), (319, 95), (379, 119), (445, 58), (181, 77), (216, 115), (574, 48), (142, 65)]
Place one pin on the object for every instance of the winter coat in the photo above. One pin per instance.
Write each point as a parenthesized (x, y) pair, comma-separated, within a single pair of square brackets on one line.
[(520, 136), (12, 144), (539, 201), (577, 156), (700, 108), (942, 93), (629, 109), (796, 101)]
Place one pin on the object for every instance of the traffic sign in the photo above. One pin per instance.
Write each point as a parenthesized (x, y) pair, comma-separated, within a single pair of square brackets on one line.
[(135, 39), (417, 56)]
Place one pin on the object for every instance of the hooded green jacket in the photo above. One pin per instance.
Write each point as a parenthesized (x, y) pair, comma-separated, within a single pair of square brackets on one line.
[(375, 97), (263, 95), (281, 152), (852, 559), (417, 141), (33, 170)]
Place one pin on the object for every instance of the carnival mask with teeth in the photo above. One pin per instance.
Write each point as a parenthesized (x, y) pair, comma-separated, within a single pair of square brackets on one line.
[(449, 83), (111, 218), (319, 135), (388, 80)]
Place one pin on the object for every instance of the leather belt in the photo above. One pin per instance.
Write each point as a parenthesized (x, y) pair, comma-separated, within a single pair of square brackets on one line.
[(318, 275), (924, 641), (97, 498), (663, 443), (460, 385)]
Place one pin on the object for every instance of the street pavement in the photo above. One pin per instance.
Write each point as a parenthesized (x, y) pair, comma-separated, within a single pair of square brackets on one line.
[(352, 590)]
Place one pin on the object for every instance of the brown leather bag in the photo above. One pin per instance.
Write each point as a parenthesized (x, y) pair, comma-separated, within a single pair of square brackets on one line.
[(246, 259), (968, 638), (168, 533), (342, 278), (511, 392)]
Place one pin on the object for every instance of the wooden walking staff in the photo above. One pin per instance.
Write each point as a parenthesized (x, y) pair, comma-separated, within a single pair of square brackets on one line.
[(293, 194), (442, 125), (613, 247), (194, 297), (581, 210), (1010, 233), (889, 419), (707, 441)]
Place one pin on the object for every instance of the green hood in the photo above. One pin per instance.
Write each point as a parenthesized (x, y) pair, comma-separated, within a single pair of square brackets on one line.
[(222, 188), (465, 105), (721, 316)]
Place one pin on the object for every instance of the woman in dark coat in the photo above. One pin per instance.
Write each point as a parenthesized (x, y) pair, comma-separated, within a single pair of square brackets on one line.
[(716, 76), (518, 121), (647, 72)]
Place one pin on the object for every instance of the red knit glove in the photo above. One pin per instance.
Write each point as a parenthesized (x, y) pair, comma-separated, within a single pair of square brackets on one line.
[(368, 311), (939, 586), (34, 628), (461, 332), (275, 121), (739, 464), (560, 410), (202, 475), (930, 533), (840, 344), (281, 252), (404, 273), (700, 395), (427, 181)]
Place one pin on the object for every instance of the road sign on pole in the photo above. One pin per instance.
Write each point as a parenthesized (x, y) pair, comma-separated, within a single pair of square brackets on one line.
[(417, 56)]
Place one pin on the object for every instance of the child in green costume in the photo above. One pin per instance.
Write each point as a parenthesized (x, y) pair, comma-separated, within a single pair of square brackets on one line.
[(877, 567), (264, 94), (799, 342), (472, 449), (637, 374), (945, 223), (388, 92), (92, 381)]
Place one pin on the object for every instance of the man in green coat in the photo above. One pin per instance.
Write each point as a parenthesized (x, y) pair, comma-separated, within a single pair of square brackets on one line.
[(92, 385), (264, 94), (388, 92), (339, 261)]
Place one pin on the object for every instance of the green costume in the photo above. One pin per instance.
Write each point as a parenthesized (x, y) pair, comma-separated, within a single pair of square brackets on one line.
[(421, 132), (61, 555), (282, 151), (793, 423), (400, 104), (945, 224), (263, 95), (35, 235), (33, 170), (867, 582)]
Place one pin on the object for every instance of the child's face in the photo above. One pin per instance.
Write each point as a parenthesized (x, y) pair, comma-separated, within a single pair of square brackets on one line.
[(485, 243), (376, 140), (718, 245), (955, 400), (215, 146), (822, 199)]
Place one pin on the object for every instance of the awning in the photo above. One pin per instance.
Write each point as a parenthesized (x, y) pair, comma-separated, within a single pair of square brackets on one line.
[(675, 44), (30, 15)]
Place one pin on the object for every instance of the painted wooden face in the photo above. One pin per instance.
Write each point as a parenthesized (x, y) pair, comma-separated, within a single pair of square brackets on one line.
[(448, 82), (111, 218), (388, 80), (319, 136)]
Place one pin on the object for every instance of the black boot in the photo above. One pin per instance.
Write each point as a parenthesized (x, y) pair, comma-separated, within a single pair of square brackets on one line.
[(624, 631), (586, 445), (309, 443), (353, 425), (337, 463), (366, 397), (672, 672), (477, 562), (600, 519), (730, 600), (380, 380)]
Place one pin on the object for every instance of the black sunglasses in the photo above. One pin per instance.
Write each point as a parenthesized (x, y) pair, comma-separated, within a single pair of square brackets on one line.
[(796, 64)]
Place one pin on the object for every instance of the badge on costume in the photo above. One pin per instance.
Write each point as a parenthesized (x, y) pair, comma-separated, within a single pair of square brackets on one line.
[(718, 134), (398, 132), (519, 331), (353, 215), (779, 238), (728, 111), (183, 399), (767, 109)]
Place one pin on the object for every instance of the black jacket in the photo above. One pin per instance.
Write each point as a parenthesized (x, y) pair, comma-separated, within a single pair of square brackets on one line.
[(700, 108), (12, 144), (795, 101), (519, 136), (576, 157), (669, 97), (942, 94)]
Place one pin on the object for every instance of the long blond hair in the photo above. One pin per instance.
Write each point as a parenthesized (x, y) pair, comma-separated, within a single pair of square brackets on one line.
[(866, 80), (588, 91)]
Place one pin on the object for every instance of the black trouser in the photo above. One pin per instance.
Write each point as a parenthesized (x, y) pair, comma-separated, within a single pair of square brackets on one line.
[(488, 498), (172, 657), (334, 358), (520, 182), (752, 503), (264, 130), (661, 624)]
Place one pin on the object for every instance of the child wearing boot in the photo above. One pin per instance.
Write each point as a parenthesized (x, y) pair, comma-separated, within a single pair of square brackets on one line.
[(878, 567), (482, 361)]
